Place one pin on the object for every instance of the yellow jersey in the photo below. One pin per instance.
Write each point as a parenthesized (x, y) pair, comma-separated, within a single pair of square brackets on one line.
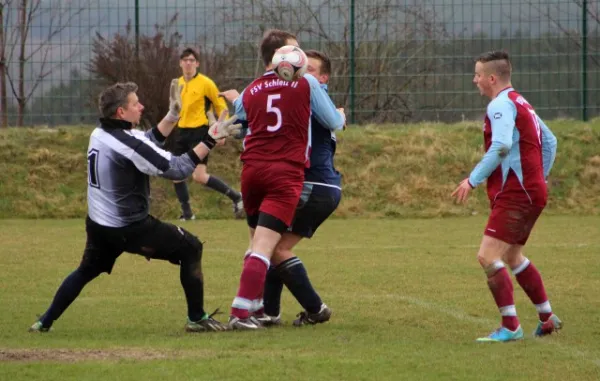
[(199, 95)]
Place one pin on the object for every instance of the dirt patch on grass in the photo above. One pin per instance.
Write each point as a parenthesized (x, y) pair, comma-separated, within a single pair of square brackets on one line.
[(76, 355)]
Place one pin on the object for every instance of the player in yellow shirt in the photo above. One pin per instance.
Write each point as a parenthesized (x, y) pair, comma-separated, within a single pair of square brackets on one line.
[(199, 95)]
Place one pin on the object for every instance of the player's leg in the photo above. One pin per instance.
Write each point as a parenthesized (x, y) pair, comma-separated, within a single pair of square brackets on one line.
[(269, 314), (271, 192), (321, 203), (250, 292), (181, 146), (251, 203), (530, 279), (490, 255), (183, 195), (202, 176), (253, 193), (155, 239), (99, 256), (283, 253), (250, 238), (505, 227), (315, 206)]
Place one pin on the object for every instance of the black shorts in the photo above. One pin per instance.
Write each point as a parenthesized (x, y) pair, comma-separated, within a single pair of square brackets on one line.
[(188, 138), (150, 238), (317, 203)]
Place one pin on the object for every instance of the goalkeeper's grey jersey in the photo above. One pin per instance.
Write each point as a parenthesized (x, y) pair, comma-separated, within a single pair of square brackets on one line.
[(120, 161)]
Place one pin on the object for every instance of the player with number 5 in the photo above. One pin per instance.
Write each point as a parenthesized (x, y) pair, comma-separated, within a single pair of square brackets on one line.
[(276, 151), (520, 151)]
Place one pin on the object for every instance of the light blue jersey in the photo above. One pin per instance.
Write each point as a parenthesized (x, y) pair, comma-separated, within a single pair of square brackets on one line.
[(520, 150)]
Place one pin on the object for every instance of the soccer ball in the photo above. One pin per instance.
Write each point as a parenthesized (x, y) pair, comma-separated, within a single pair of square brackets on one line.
[(289, 63)]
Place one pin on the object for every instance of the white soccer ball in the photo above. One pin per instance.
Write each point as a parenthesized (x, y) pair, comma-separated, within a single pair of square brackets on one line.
[(289, 63)]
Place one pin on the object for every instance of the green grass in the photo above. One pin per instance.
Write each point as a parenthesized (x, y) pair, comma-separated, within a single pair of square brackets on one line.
[(408, 297), (389, 171)]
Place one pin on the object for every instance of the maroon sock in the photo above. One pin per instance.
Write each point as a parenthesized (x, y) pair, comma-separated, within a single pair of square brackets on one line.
[(501, 287), (530, 280), (252, 282)]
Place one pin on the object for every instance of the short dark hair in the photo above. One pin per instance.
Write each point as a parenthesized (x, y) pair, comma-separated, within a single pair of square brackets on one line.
[(324, 58), (114, 97), (189, 52), (501, 59), (273, 39)]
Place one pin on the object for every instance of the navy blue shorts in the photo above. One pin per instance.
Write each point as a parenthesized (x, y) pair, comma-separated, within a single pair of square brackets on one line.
[(316, 204)]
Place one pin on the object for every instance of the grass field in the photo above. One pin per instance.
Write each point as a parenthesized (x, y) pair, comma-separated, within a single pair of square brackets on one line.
[(408, 299)]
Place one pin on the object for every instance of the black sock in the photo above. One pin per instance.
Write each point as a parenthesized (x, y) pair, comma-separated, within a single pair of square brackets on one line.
[(294, 276), (272, 294), (181, 189), (66, 294), (190, 275), (218, 185)]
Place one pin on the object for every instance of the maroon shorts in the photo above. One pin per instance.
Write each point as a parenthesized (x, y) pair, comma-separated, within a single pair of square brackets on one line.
[(272, 187), (511, 221)]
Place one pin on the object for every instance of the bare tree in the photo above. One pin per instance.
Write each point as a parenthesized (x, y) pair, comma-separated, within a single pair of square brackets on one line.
[(555, 15), (394, 44), (4, 11), (114, 60), (15, 38)]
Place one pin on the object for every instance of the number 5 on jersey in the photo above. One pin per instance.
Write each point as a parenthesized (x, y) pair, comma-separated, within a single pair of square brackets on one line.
[(273, 109)]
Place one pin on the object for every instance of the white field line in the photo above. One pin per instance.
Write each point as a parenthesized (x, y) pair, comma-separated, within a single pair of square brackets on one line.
[(463, 316), (209, 249), (455, 313)]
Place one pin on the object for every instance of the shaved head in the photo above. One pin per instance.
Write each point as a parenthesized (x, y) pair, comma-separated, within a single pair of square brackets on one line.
[(496, 62)]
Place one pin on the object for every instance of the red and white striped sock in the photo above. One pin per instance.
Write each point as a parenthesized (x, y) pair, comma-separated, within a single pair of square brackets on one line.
[(501, 287), (530, 280), (252, 282)]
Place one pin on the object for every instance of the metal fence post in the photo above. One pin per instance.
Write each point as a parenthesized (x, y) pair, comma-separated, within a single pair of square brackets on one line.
[(137, 28), (584, 42), (352, 64)]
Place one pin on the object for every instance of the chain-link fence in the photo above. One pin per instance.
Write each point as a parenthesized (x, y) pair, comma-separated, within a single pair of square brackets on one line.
[(393, 60)]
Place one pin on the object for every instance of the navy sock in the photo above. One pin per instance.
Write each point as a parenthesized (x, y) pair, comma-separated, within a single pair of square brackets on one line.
[(66, 294), (293, 274), (272, 295), (183, 195), (218, 185)]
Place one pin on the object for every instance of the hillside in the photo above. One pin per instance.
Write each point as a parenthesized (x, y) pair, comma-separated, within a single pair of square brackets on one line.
[(389, 171)]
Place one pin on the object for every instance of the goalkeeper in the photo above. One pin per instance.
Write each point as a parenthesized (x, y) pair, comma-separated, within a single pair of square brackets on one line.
[(120, 161)]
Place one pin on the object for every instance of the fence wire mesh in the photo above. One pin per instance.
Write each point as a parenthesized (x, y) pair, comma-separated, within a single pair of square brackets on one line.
[(393, 60)]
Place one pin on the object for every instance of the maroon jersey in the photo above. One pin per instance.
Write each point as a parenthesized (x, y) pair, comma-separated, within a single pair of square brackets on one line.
[(278, 115), (520, 177)]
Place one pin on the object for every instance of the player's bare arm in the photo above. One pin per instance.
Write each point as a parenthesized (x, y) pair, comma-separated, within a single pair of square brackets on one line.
[(230, 95)]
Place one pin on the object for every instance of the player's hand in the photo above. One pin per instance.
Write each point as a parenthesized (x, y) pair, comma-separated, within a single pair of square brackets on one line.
[(174, 100), (211, 120), (341, 111), (223, 127), (462, 191), (230, 95)]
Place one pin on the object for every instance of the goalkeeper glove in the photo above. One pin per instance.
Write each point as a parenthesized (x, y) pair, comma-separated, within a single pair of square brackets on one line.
[(174, 101), (220, 129)]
